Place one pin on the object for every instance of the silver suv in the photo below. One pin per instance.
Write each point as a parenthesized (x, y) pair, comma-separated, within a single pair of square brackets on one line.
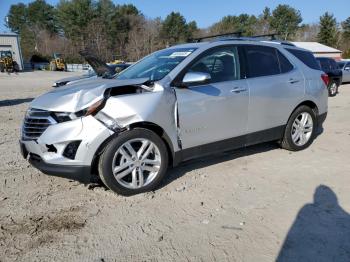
[(174, 105)]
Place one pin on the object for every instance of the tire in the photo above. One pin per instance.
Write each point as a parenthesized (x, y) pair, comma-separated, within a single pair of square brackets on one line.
[(290, 139), (15, 67), (333, 89), (117, 156)]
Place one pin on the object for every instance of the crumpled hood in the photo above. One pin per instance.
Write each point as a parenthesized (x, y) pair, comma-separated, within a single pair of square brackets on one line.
[(80, 95), (74, 78)]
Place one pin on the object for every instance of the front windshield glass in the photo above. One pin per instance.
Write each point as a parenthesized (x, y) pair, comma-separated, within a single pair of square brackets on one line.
[(157, 65)]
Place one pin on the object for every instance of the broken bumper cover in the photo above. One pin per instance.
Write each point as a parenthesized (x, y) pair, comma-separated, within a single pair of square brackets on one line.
[(39, 152)]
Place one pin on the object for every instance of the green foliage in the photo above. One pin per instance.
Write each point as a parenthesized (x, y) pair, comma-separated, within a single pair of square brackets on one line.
[(42, 15), (73, 16), (328, 34), (17, 17), (346, 29), (285, 21), (346, 54), (175, 29), (243, 23), (110, 29)]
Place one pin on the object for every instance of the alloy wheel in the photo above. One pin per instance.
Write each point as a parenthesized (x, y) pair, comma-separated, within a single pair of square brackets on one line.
[(136, 163), (302, 129)]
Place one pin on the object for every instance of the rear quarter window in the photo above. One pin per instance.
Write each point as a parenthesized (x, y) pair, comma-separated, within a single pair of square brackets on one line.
[(306, 57)]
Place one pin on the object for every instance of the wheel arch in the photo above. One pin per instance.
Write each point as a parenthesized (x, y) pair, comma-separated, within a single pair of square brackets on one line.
[(161, 133), (308, 103), (147, 125)]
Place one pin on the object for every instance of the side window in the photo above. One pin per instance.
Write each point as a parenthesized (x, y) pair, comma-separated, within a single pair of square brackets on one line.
[(306, 57), (262, 61), (222, 64), (285, 65)]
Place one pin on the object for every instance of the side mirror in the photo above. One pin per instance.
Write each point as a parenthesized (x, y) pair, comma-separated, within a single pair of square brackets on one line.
[(347, 68), (192, 78)]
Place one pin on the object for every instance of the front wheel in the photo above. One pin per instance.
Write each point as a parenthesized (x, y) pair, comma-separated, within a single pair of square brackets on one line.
[(134, 162), (300, 130)]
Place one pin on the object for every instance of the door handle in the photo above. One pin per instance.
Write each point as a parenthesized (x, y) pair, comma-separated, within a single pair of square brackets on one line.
[(293, 81), (238, 90)]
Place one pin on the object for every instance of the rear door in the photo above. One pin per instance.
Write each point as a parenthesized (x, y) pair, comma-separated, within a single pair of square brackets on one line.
[(218, 110), (275, 85)]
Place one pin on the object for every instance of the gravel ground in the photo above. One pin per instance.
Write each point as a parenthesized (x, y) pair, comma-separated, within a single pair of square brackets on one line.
[(256, 204)]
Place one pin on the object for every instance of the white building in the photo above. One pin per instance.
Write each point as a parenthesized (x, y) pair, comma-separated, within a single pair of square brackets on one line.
[(10, 41), (320, 50)]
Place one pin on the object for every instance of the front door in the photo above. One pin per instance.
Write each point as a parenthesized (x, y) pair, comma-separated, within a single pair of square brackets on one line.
[(218, 110)]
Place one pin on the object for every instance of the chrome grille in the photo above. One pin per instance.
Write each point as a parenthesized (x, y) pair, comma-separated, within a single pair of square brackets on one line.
[(35, 123)]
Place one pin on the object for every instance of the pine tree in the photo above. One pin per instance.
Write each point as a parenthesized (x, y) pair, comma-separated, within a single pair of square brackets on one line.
[(346, 29), (328, 34), (285, 21)]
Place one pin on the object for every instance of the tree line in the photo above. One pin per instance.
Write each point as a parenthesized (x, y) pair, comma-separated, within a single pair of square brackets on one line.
[(112, 30)]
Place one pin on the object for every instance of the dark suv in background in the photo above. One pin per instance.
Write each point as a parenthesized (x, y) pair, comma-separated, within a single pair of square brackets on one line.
[(330, 67)]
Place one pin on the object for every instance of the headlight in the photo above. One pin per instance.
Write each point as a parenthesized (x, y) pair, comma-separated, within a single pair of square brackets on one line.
[(68, 116), (64, 116)]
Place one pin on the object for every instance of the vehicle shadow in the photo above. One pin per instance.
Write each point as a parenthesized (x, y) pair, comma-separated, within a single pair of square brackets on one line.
[(320, 232), (13, 102), (187, 166)]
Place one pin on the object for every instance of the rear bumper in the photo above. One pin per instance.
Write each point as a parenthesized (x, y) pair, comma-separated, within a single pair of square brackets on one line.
[(77, 173)]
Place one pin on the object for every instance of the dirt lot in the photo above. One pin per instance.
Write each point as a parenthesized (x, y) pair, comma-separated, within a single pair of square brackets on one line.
[(256, 204)]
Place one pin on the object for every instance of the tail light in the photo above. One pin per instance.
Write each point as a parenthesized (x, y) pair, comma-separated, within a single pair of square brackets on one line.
[(325, 79)]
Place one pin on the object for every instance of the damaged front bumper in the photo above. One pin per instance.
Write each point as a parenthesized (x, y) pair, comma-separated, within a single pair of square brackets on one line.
[(51, 154)]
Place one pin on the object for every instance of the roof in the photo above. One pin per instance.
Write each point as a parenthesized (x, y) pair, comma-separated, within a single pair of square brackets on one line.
[(235, 40), (316, 47), (8, 34)]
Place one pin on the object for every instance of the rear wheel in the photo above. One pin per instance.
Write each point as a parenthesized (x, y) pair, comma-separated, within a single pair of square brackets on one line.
[(333, 89), (300, 130), (134, 162)]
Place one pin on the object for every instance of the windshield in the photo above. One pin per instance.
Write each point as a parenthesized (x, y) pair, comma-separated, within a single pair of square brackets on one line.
[(157, 65)]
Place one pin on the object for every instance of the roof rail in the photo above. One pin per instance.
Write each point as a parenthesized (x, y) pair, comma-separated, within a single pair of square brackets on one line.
[(199, 39), (272, 36), (238, 36)]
